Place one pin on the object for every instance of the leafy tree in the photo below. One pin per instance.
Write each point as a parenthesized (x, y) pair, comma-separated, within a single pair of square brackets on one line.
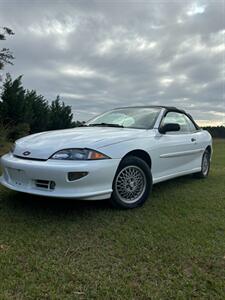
[(60, 115), (6, 55)]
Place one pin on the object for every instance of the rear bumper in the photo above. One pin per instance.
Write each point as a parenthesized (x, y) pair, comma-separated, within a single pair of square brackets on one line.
[(21, 175)]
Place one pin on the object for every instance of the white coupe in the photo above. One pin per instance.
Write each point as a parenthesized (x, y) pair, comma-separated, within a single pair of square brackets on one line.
[(118, 155)]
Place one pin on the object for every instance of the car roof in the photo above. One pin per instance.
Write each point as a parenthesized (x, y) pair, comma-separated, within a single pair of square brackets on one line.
[(173, 108), (167, 109)]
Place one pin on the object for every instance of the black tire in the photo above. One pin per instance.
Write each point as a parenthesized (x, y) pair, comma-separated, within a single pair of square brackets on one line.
[(205, 166), (133, 177)]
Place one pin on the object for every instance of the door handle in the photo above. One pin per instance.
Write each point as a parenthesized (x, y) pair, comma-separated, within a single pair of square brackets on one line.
[(193, 140)]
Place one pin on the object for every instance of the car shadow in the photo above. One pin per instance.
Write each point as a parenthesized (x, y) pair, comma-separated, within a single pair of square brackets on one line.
[(54, 206), (172, 184), (60, 206)]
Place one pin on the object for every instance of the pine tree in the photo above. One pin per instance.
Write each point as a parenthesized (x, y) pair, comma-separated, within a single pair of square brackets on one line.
[(37, 111), (12, 106), (6, 55), (60, 115), (26, 111)]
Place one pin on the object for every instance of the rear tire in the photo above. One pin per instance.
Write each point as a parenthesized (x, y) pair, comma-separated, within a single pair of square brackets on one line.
[(205, 166), (132, 183)]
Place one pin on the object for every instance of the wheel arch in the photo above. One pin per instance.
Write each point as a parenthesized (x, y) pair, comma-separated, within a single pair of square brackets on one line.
[(209, 148), (141, 154)]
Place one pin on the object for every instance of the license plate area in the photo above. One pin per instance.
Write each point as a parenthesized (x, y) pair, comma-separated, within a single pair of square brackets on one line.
[(17, 177)]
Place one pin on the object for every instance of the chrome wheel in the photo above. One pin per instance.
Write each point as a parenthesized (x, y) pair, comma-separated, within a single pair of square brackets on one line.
[(205, 164), (130, 184)]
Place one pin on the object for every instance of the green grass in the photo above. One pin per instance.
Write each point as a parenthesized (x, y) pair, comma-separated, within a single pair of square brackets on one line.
[(171, 248)]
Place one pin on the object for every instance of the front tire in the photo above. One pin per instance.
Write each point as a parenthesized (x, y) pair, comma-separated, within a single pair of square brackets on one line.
[(132, 183), (205, 166)]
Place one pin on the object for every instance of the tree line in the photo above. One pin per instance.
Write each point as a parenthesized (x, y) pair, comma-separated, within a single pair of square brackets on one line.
[(23, 111), (216, 131)]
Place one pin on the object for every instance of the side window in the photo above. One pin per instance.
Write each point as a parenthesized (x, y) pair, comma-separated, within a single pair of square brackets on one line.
[(190, 123), (185, 123)]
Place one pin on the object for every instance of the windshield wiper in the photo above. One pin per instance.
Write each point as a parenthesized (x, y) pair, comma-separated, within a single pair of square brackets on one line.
[(106, 124)]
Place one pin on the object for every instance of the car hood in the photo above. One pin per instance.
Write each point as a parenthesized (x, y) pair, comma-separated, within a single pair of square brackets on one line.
[(43, 145)]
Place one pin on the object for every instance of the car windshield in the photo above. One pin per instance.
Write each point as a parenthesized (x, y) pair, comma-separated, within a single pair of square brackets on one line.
[(133, 117)]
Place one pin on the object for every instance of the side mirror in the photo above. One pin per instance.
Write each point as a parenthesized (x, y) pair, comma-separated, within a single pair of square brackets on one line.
[(169, 127)]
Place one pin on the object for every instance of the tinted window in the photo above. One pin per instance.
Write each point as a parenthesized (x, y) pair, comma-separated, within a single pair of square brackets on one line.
[(185, 123)]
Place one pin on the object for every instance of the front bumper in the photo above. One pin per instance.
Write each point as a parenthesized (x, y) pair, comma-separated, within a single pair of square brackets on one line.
[(21, 175)]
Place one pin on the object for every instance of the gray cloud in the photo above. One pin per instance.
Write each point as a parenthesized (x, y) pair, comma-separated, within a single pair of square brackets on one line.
[(103, 54)]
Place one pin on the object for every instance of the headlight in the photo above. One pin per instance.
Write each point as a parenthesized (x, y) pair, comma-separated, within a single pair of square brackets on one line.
[(78, 154)]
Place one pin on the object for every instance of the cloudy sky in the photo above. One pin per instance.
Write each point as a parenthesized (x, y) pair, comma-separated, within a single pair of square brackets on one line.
[(98, 55)]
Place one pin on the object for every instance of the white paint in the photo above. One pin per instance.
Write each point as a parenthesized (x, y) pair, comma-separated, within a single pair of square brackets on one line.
[(172, 154)]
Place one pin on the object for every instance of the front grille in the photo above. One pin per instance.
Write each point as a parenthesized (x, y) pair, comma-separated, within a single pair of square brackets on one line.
[(45, 184)]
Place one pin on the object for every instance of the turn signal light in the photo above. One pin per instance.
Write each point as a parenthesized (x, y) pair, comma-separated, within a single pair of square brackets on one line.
[(96, 155)]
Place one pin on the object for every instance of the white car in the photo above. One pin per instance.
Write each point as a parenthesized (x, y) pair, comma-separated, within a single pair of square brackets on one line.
[(118, 155)]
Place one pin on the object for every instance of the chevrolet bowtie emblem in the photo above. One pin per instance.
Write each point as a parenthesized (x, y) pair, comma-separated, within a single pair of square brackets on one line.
[(26, 153)]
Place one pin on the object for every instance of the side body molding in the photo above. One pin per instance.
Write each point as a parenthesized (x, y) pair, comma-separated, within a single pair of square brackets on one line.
[(182, 153)]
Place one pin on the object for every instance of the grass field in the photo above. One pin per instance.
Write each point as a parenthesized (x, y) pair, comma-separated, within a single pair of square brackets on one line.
[(171, 248)]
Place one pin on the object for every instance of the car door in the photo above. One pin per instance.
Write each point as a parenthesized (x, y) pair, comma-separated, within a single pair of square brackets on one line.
[(176, 151), (198, 148)]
